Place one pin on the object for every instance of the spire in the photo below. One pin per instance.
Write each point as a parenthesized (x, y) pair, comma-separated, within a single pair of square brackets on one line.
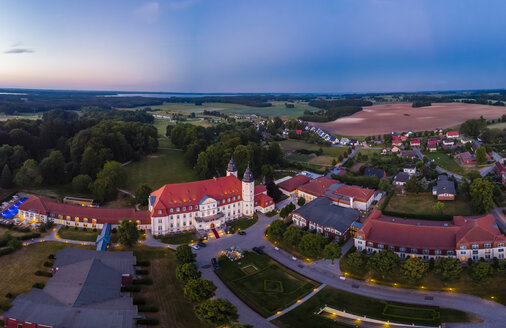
[(248, 175), (231, 165)]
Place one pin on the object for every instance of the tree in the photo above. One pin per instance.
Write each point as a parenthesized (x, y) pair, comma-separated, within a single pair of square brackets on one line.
[(301, 201), (384, 184), (481, 192), (481, 155), (240, 325), (81, 182), (480, 272), (383, 262), (439, 207), (216, 312), (142, 194), (6, 177), (277, 228), (311, 244), (501, 268), (332, 251), (112, 176), (52, 167), (412, 184), (128, 234), (355, 262), (447, 269), (292, 235), (184, 254), (29, 174), (15, 243), (273, 191), (414, 269), (187, 271), (198, 290)]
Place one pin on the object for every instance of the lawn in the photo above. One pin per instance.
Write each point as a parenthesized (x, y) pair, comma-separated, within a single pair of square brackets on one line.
[(422, 203), (166, 293), (178, 238), (294, 144), (311, 162), (166, 166), (446, 162), (79, 234), (17, 269), (304, 315), (242, 224), (267, 290), (500, 126)]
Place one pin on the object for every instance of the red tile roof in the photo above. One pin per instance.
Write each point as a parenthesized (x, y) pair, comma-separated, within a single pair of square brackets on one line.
[(318, 186), (293, 183), (452, 133), (414, 141), (51, 207), (357, 193), (260, 189), (477, 230), (263, 200), (227, 189)]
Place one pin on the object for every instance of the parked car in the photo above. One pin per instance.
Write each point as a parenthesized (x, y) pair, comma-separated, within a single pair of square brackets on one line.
[(215, 263), (201, 244), (242, 233), (294, 258), (195, 246), (258, 250)]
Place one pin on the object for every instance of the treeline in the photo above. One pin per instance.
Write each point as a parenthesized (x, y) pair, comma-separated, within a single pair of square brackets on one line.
[(247, 100), (63, 145), (208, 150), (421, 103), (12, 104), (333, 109)]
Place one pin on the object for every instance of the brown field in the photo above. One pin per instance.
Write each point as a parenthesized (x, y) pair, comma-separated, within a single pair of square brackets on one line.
[(381, 119)]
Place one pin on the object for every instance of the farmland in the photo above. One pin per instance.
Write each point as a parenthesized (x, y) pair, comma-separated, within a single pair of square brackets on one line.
[(381, 119)]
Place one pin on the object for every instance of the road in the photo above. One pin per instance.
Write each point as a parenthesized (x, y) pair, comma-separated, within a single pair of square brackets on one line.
[(323, 271)]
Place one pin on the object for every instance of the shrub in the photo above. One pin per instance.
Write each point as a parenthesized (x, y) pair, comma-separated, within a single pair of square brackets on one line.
[(38, 285), (148, 322), (48, 264), (144, 308), (51, 257), (143, 263), (134, 289), (43, 273), (29, 236), (9, 295), (141, 271), (145, 281), (139, 301)]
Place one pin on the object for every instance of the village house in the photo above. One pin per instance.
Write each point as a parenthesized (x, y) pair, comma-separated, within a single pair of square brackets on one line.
[(409, 154), (395, 149), (448, 142), (466, 158), (452, 134), (345, 141), (445, 189), (396, 141), (409, 169), (463, 238), (432, 145), (263, 202), (499, 168), (385, 151), (414, 142), (326, 218), (400, 179)]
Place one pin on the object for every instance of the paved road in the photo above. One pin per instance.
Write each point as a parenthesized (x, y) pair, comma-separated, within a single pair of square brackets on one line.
[(500, 218), (494, 314)]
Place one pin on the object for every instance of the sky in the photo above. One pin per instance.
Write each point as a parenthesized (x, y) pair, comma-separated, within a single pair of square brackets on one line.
[(253, 46)]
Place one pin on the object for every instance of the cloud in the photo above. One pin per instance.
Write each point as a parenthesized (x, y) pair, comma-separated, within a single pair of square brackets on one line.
[(19, 51), (181, 4), (149, 12)]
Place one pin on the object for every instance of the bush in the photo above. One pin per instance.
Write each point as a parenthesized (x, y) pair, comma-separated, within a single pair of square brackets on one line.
[(48, 264), (38, 285), (141, 272), (29, 236), (9, 295), (134, 289), (144, 308), (143, 263), (139, 301), (148, 322), (51, 257), (43, 273), (146, 281), (5, 251)]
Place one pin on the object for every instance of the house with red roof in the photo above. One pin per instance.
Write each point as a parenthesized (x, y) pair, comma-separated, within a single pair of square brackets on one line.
[(315, 188), (263, 202), (351, 196), (432, 145), (202, 205), (463, 237), (499, 168), (396, 141), (289, 186), (40, 209), (466, 158), (452, 134), (414, 142)]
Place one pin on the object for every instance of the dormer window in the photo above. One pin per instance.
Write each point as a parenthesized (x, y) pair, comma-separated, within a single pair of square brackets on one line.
[(196, 207), (171, 210), (160, 211), (177, 209), (190, 207)]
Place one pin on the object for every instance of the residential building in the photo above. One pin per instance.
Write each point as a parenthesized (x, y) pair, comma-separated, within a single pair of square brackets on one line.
[(432, 145), (463, 237), (263, 202), (499, 168), (400, 179), (368, 172), (410, 154), (395, 149), (396, 141), (448, 142), (345, 141), (415, 142), (326, 217), (85, 292), (351, 196), (452, 134), (202, 205), (445, 189), (467, 158), (409, 169), (315, 188)]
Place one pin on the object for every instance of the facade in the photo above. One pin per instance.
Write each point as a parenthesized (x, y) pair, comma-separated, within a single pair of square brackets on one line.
[(85, 292), (40, 209), (445, 189), (400, 179), (351, 196), (263, 202), (326, 218), (409, 169), (202, 205), (414, 142), (467, 158), (315, 188), (463, 238)]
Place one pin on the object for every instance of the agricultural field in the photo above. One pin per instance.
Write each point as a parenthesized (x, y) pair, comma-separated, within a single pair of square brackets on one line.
[(165, 166), (304, 315), (262, 283), (382, 119), (422, 203)]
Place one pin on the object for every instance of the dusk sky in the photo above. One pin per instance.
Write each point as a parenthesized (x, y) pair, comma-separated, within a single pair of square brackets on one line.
[(253, 46)]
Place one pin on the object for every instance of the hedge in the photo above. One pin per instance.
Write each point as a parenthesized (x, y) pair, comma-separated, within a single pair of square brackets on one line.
[(145, 308), (29, 236), (148, 322), (48, 264), (5, 251), (43, 273), (143, 263), (139, 301), (134, 289), (145, 281), (431, 217), (141, 271), (38, 285)]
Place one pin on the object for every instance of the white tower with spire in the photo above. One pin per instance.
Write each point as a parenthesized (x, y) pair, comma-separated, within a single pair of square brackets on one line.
[(248, 193), (231, 169)]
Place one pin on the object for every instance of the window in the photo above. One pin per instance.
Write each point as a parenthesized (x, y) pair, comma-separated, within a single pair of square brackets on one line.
[(391, 247), (184, 208), (359, 237), (425, 251), (414, 251), (196, 207), (238, 197), (177, 209), (463, 247), (450, 253), (94, 220), (488, 245), (159, 221), (190, 208), (500, 250), (228, 199), (76, 219), (171, 210), (475, 246), (500, 245), (159, 227), (475, 252), (462, 252), (381, 246), (160, 211), (85, 219), (402, 249)]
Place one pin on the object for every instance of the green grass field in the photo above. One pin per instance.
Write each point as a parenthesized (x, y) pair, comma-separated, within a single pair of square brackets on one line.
[(500, 126), (179, 238), (17, 269), (166, 166), (304, 315), (251, 288), (423, 203), (446, 162), (241, 224), (317, 163), (80, 234)]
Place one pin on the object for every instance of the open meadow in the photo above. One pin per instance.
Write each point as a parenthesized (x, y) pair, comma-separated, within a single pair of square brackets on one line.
[(382, 119)]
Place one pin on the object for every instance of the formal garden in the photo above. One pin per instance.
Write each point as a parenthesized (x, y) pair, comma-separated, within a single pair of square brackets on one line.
[(263, 284), (242, 224), (306, 315), (479, 278)]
